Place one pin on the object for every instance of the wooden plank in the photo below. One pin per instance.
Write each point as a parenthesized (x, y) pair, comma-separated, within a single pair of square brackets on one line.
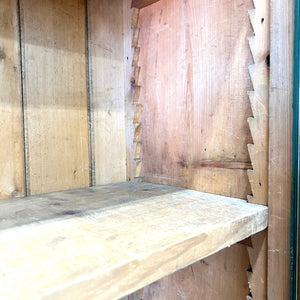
[(259, 98), (258, 273), (107, 92), (91, 238), (280, 159), (259, 150), (196, 279), (142, 3), (130, 17), (194, 79), (203, 85), (11, 135), (55, 95)]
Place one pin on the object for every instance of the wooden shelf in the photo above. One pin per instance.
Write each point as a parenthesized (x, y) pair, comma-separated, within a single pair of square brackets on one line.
[(108, 241)]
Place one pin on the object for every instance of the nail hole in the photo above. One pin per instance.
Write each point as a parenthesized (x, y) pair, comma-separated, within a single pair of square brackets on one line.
[(262, 20), (268, 60)]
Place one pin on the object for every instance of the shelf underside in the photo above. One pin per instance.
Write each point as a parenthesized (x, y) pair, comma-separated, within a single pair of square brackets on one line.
[(105, 242)]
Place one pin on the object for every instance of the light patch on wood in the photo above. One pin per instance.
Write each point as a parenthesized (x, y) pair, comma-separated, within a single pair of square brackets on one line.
[(55, 95)]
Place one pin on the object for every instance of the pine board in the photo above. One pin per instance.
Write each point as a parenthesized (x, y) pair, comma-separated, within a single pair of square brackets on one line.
[(55, 95), (194, 81), (280, 152), (106, 59), (111, 240), (11, 127)]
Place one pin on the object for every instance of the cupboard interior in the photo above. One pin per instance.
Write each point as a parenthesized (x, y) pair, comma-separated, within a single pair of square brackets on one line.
[(83, 105)]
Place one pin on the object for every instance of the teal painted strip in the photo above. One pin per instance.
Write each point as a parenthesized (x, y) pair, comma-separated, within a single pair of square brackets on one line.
[(295, 213)]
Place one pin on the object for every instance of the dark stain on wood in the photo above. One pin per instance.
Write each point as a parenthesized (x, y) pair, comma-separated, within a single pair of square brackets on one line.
[(233, 165), (142, 3), (2, 55)]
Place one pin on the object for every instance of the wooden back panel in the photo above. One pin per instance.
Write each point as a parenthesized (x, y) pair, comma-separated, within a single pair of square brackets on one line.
[(194, 76), (56, 53)]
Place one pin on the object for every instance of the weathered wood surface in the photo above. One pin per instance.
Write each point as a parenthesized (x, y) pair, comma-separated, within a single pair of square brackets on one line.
[(259, 151), (11, 127), (194, 282), (280, 159), (107, 90), (55, 95), (194, 80), (133, 109), (108, 241)]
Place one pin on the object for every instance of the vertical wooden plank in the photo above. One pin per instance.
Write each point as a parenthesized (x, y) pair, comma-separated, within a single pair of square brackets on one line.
[(11, 135), (259, 151), (280, 156), (55, 95), (194, 78), (107, 91), (130, 17)]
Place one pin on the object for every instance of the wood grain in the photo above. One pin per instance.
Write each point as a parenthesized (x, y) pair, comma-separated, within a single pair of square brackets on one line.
[(259, 99), (196, 281), (259, 150), (280, 160), (11, 134), (133, 110), (194, 78), (107, 92), (111, 240), (194, 81), (55, 95)]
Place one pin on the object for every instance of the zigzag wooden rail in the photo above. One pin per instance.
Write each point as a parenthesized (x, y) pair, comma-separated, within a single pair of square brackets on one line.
[(258, 175)]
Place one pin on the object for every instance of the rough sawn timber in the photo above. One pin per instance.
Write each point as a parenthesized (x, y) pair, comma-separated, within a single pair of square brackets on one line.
[(111, 240), (280, 151), (194, 78), (259, 127)]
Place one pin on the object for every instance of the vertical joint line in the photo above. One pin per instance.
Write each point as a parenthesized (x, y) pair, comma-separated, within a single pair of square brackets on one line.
[(89, 97), (22, 86)]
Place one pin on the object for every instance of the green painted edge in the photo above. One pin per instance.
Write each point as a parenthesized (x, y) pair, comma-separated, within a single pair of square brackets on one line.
[(295, 213)]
